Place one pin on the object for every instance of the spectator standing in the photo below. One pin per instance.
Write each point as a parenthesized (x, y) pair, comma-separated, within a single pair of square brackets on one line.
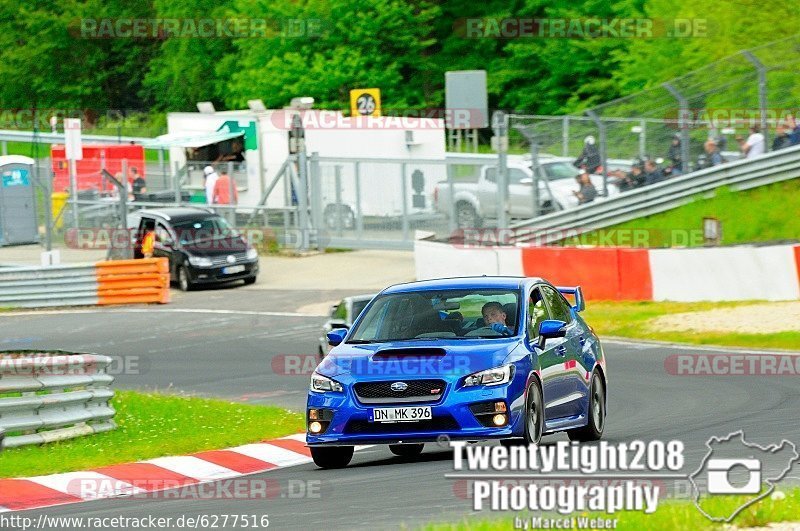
[(222, 191), (138, 184), (587, 192), (211, 181), (713, 156), (782, 139), (589, 157), (793, 129), (754, 145), (652, 174)]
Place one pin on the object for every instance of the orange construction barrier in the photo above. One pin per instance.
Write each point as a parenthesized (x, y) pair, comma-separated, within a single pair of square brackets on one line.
[(133, 281)]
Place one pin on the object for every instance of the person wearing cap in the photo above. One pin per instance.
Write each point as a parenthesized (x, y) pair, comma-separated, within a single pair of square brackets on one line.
[(211, 180)]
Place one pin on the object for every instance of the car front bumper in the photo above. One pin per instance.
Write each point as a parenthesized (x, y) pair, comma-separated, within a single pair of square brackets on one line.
[(215, 275), (452, 418)]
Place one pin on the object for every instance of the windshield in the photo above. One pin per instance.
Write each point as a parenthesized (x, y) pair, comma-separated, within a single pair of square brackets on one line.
[(477, 313), (358, 306), (560, 170), (210, 228)]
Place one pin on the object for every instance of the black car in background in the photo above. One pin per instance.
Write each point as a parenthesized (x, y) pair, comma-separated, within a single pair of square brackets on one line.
[(201, 246)]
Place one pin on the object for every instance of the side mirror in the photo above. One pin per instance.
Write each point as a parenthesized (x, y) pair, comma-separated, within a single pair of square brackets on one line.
[(550, 328), (336, 336)]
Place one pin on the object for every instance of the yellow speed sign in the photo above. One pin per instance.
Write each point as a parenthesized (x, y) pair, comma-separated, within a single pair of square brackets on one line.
[(365, 102)]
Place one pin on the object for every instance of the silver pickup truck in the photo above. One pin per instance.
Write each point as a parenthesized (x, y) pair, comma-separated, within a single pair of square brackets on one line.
[(475, 199)]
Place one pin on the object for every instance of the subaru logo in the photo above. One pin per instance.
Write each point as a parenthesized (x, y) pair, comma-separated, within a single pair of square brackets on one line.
[(399, 386), (231, 259)]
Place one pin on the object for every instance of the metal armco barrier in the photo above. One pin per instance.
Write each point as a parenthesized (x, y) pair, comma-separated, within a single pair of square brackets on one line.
[(101, 283), (52, 396), (770, 168)]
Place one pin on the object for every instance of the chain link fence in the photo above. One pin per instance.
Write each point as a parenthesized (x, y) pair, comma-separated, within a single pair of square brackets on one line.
[(723, 100)]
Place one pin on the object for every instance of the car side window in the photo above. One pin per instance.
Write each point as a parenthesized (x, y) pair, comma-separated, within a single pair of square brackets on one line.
[(515, 175), (559, 309), (537, 312), (163, 235), (491, 174)]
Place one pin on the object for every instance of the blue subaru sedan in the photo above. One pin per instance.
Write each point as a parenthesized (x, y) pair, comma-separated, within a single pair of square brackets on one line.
[(473, 358)]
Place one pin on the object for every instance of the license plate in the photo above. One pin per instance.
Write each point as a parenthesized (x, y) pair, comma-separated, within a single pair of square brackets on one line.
[(401, 414), (232, 269)]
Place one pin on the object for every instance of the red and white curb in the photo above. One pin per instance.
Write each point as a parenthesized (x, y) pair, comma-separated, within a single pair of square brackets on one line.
[(153, 475)]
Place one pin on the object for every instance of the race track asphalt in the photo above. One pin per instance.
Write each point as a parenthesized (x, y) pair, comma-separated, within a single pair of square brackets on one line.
[(230, 355)]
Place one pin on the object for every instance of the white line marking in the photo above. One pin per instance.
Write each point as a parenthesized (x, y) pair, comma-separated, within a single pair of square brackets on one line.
[(271, 454), (194, 467), (685, 346), (86, 485)]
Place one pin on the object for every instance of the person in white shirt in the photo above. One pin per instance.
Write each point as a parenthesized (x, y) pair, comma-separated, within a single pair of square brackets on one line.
[(211, 180), (754, 145)]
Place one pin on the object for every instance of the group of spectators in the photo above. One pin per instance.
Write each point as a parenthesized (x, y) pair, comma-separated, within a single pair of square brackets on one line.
[(648, 171)]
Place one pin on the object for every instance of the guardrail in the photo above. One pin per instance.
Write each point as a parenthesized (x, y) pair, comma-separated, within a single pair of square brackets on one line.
[(770, 168), (53, 396), (101, 283)]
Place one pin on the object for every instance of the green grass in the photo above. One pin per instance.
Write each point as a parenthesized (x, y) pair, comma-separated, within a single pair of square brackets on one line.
[(763, 214), (154, 425), (632, 320), (669, 515)]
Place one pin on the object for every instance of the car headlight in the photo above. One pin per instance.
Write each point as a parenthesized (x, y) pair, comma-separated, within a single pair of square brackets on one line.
[(252, 253), (495, 376), (200, 261), (322, 384)]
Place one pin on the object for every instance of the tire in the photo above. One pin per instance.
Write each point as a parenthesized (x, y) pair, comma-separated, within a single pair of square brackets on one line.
[(467, 217), (184, 284), (534, 414), (332, 217), (593, 430), (332, 456), (249, 280), (406, 450)]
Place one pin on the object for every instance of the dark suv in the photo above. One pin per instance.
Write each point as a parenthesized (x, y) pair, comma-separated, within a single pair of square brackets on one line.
[(201, 246)]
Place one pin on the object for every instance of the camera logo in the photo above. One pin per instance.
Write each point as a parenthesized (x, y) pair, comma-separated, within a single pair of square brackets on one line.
[(736, 467), (720, 470)]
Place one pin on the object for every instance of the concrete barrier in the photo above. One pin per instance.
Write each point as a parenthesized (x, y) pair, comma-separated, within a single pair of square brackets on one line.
[(610, 273)]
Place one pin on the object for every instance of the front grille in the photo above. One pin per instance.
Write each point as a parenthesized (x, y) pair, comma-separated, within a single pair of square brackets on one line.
[(223, 260), (382, 393), (435, 425)]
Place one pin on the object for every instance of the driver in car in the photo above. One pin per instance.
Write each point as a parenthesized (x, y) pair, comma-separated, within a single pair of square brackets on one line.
[(495, 318)]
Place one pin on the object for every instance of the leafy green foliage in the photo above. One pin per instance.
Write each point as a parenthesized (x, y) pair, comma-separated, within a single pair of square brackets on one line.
[(324, 48)]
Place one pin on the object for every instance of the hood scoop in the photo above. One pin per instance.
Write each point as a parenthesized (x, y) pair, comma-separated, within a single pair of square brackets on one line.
[(404, 353)]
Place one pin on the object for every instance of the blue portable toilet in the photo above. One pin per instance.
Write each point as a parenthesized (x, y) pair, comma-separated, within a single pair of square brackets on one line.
[(18, 223)]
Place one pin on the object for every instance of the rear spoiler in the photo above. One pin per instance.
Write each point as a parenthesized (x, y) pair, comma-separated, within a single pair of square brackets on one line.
[(580, 304)]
